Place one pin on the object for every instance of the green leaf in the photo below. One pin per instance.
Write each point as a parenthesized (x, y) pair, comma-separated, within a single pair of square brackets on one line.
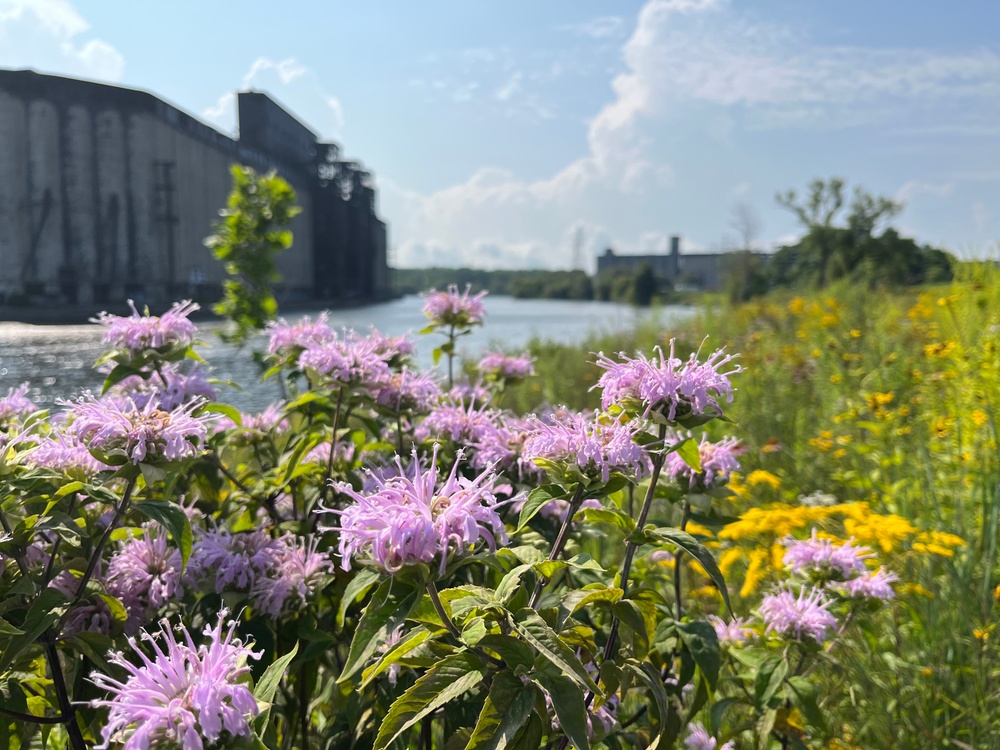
[(436, 354), (631, 615), (690, 454), (506, 710), (700, 553), (445, 681), (535, 631), (413, 640), (805, 695), (117, 375), (7, 629), (267, 686), (769, 680), (173, 518), (703, 645), (363, 580), (568, 702), (573, 601), (650, 677), (389, 606), (538, 498), (215, 407), (610, 517), (516, 653), (510, 584)]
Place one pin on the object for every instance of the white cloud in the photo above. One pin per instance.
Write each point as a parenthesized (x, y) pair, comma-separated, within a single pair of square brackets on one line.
[(59, 20), (288, 70), (913, 188)]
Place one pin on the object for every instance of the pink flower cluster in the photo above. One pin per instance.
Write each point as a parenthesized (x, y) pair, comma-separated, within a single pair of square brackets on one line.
[(414, 518), (596, 447), (16, 403), (119, 426), (139, 332), (183, 694), (797, 616), (718, 461), (668, 385), (449, 308), (823, 556), (495, 366)]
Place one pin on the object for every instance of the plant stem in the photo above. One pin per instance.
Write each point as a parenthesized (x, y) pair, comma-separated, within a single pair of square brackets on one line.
[(333, 444), (47, 576), (432, 592), (95, 557), (451, 355), (677, 563), (66, 710), (560, 543)]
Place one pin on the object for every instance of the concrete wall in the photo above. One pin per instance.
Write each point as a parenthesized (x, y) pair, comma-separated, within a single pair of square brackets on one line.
[(108, 193)]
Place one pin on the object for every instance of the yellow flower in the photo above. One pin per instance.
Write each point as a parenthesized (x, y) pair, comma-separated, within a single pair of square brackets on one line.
[(926, 671), (938, 543), (756, 571), (836, 378), (982, 634), (996, 593), (731, 555), (979, 417), (696, 529), (942, 427), (797, 306), (829, 320), (759, 477), (855, 333), (839, 453), (916, 589)]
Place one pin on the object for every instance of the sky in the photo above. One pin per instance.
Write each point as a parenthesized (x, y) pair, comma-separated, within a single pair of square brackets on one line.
[(536, 134)]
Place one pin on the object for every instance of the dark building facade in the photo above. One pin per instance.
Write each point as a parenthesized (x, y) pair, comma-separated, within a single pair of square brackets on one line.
[(693, 270), (108, 193)]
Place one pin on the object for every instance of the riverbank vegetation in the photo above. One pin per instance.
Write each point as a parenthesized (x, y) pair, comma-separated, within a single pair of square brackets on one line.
[(872, 417)]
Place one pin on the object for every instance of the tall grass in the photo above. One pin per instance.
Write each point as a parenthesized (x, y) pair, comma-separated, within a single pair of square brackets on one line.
[(885, 399)]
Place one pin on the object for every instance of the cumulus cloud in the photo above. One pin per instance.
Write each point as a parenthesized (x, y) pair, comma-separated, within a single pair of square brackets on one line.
[(59, 21), (739, 72)]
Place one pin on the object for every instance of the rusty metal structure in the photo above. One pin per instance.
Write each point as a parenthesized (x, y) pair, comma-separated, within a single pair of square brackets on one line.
[(107, 193)]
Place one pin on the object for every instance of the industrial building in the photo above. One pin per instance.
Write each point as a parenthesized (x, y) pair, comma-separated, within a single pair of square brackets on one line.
[(107, 193), (703, 271)]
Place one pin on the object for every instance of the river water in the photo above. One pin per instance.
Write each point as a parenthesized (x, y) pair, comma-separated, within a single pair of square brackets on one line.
[(57, 360)]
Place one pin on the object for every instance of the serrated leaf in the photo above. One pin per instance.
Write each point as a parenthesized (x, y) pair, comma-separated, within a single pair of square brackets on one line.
[(445, 681), (538, 498), (506, 710), (570, 709), (413, 640), (700, 553), (388, 608), (703, 644), (514, 652), (535, 631), (573, 601), (511, 583), (267, 686), (173, 518)]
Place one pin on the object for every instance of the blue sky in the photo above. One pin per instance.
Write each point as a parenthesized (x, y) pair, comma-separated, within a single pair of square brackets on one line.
[(499, 133)]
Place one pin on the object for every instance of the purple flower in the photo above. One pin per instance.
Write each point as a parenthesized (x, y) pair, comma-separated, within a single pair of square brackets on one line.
[(450, 308), (287, 340), (168, 388), (16, 403), (595, 447), (824, 557), (667, 385), (718, 461), (871, 586), (501, 446), (414, 520), (468, 393), (145, 574), (181, 695), (140, 332), (699, 739), (496, 366), (733, 632), (255, 426), (232, 560), (91, 614), (120, 427), (342, 453), (459, 423), (348, 360), (395, 350), (409, 391), (798, 616), (295, 571), (63, 452)]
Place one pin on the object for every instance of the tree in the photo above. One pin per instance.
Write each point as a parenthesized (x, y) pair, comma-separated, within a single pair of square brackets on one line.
[(253, 230), (860, 247), (644, 285)]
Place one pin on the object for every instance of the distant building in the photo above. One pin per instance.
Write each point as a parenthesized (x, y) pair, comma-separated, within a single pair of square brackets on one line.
[(108, 193), (693, 270)]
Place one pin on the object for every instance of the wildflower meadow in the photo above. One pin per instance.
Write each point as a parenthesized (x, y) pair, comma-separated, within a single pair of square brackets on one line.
[(785, 542)]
